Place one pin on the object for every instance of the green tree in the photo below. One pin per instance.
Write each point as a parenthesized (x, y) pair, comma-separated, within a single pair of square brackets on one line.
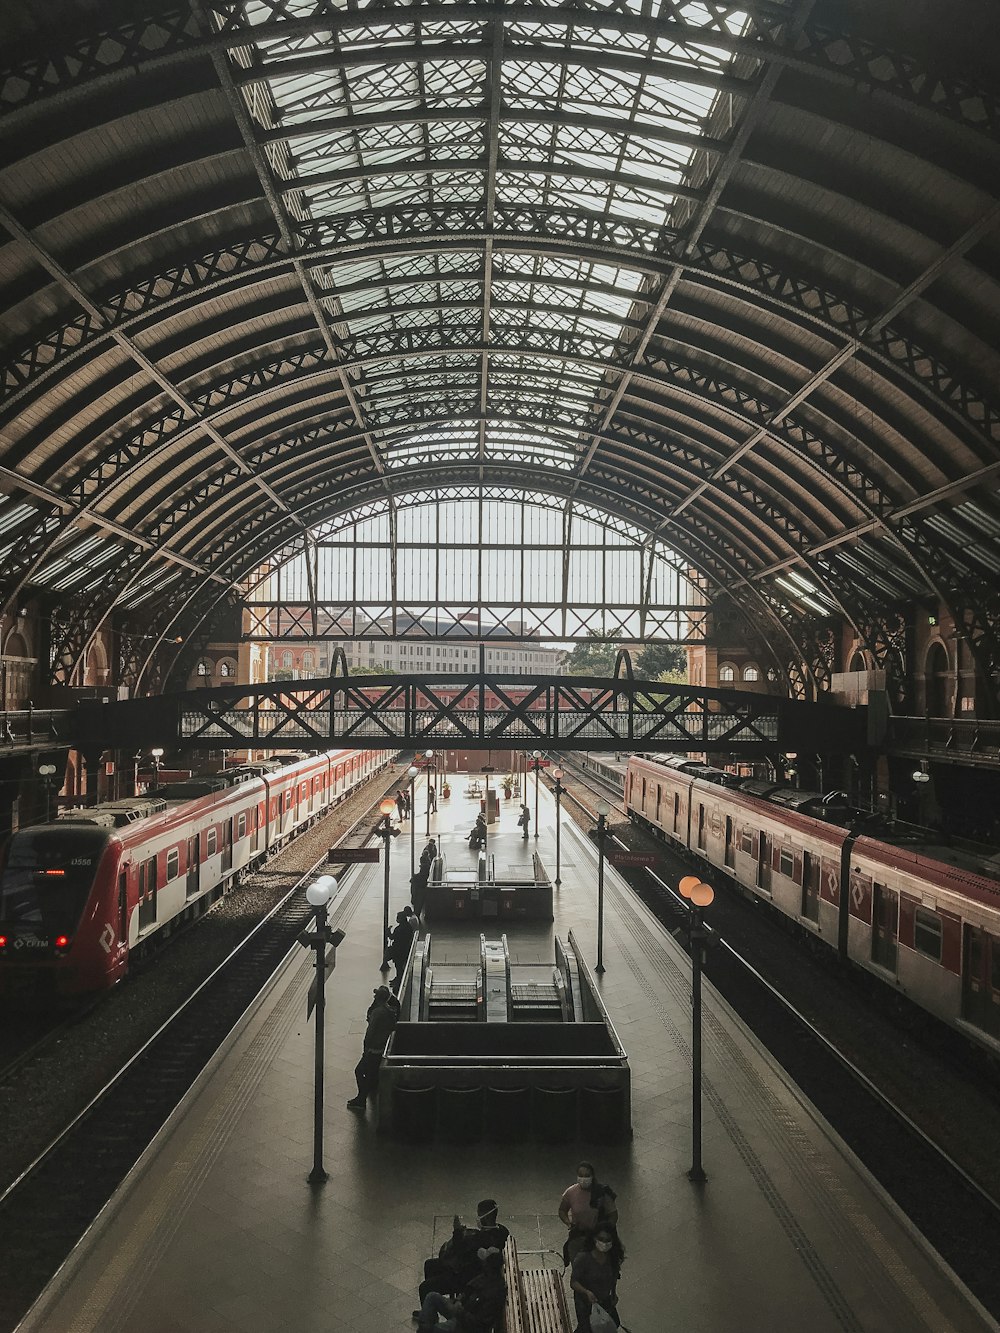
[(592, 657), (662, 661)]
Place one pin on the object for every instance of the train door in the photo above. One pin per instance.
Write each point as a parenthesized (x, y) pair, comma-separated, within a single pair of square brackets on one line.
[(764, 862), (981, 980), (123, 907), (227, 845), (811, 887), (659, 800), (194, 865), (255, 822), (677, 811), (730, 849), (885, 926), (702, 827), (147, 892)]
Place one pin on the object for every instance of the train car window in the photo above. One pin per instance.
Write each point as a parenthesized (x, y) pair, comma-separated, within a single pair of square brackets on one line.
[(786, 862), (173, 863), (927, 933), (644, 793), (288, 800), (211, 842), (746, 841), (241, 827)]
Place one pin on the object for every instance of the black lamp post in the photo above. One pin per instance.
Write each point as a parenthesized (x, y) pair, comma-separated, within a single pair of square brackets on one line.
[(318, 896), (411, 773), (429, 758), (536, 759), (386, 832), (47, 773), (603, 810), (700, 896), (557, 789)]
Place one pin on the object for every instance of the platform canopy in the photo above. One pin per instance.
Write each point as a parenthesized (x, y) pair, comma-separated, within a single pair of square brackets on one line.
[(725, 272)]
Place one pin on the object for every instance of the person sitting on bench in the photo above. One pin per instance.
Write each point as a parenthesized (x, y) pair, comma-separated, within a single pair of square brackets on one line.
[(459, 1259), (478, 1307), (477, 838)]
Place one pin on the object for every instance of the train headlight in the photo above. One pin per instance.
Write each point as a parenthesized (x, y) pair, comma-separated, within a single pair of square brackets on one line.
[(62, 941), (3, 941)]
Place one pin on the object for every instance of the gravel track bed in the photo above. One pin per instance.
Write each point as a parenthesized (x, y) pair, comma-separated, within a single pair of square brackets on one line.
[(48, 1091), (917, 1063)]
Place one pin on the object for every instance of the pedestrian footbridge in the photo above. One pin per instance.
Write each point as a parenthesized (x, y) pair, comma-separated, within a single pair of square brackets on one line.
[(478, 711)]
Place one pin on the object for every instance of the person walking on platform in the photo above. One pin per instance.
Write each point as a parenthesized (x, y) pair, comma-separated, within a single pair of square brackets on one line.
[(459, 1258), (478, 1308), (432, 798), (401, 803), (583, 1207), (524, 821), (382, 1015), (596, 1270)]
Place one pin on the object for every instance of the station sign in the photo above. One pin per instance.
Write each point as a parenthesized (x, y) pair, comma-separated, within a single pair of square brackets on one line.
[(629, 860), (353, 856)]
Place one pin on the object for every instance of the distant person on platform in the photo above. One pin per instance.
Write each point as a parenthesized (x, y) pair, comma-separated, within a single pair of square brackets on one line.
[(399, 942), (524, 822), (477, 838), (382, 1014), (401, 803), (432, 798)]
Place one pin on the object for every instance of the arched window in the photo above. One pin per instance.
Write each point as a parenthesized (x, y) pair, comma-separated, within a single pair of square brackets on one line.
[(750, 672), (286, 660), (204, 667), (727, 672), (858, 662), (227, 670), (937, 670), (307, 660)]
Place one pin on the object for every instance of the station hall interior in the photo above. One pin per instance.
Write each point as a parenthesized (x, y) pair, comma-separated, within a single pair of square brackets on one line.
[(582, 417)]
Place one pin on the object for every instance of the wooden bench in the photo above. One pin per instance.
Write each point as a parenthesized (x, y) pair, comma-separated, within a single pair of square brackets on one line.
[(536, 1299)]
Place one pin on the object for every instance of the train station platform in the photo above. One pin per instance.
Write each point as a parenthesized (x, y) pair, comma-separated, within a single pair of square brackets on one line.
[(217, 1230)]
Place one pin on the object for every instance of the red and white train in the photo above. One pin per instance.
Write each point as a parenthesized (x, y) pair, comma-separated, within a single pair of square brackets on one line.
[(922, 916), (80, 896)]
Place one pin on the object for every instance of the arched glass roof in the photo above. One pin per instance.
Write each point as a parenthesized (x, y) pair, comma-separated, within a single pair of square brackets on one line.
[(729, 273)]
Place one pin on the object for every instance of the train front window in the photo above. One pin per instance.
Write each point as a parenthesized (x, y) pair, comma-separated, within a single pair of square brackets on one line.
[(47, 877)]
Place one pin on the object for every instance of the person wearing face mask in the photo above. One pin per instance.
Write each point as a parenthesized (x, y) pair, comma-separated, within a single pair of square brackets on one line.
[(583, 1206), (596, 1270), (461, 1257)]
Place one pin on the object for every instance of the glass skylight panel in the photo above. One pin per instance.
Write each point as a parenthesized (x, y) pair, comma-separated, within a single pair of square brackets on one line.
[(11, 515), (416, 98)]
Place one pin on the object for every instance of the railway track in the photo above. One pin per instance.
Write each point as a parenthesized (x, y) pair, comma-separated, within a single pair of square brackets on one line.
[(955, 1204), (49, 1205)]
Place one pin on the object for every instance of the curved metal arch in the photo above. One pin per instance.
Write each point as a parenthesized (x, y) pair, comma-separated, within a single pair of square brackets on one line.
[(259, 555), (168, 40), (623, 665), (254, 377), (818, 308), (268, 473)]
